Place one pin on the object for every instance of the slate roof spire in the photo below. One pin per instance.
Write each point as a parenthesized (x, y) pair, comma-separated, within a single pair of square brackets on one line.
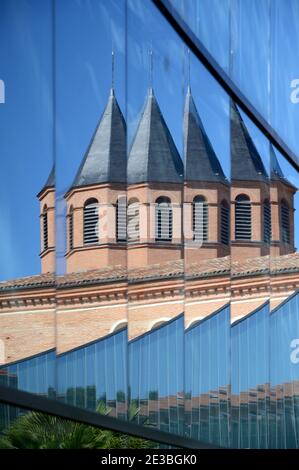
[(246, 163), (50, 183), (153, 157), (276, 171), (51, 179), (201, 162), (105, 158)]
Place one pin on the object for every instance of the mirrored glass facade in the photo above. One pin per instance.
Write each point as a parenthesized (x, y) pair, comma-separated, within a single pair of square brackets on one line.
[(207, 379), (247, 40), (152, 274), (156, 364)]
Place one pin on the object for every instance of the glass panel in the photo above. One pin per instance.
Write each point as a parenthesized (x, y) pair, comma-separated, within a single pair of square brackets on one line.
[(95, 375), (206, 256), (284, 325), (284, 78), (91, 261), (177, 303), (207, 379), (155, 191), (250, 50), (156, 379), (250, 379), (27, 245), (250, 283), (209, 20), (247, 39)]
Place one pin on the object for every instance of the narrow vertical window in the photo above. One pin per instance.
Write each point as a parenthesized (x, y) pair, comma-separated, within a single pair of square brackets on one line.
[(45, 228), (224, 223), (163, 216), (121, 219), (285, 222), (200, 219), (133, 221), (91, 219), (242, 218), (267, 221), (71, 229)]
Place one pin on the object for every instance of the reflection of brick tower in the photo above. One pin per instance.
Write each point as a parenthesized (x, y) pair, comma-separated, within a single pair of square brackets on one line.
[(282, 210), (94, 207), (263, 208), (155, 181), (206, 193), (250, 194), (47, 224)]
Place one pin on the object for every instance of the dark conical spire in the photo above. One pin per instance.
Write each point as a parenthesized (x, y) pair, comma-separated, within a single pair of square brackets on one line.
[(153, 156), (201, 162), (246, 163), (276, 171), (105, 159), (51, 179), (50, 183)]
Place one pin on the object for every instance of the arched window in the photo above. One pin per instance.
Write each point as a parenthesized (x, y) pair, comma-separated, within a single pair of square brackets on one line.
[(267, 221), (200, 219), (224, 223), (71, 228), (91, 220), (242, 217), (45, 228), (160, 322), (133, 221), (163, 219), (120, 325), (285, 221), (121, 219)]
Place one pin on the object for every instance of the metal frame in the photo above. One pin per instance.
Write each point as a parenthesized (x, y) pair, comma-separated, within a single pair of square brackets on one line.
[(30, 401), (195, 45)]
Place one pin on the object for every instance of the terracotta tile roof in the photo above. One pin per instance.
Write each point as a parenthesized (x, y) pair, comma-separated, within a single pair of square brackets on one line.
[(104, 275), (29, 282), (209, 267), (171, 270)]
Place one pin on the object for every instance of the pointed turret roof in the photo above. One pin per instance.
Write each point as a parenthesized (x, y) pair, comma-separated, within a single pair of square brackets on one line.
[(51, 179), (276, 171), (246, 163), (105, 159), (50, 183), (153, 156), (201, 162)]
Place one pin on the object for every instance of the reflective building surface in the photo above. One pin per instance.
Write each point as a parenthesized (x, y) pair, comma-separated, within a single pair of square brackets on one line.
[(152, 275)]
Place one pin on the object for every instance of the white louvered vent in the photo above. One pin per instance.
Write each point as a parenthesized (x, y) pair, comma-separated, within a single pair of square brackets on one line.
[(163, 219), (224, 225), (91, 219), (133, 222), (267, 222), (200, 219), (243, 218), (285, 222), (71, 230), (45, 230), (121, 220)]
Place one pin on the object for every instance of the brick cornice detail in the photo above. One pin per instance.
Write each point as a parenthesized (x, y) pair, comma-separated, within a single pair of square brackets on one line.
[(152, 290)]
